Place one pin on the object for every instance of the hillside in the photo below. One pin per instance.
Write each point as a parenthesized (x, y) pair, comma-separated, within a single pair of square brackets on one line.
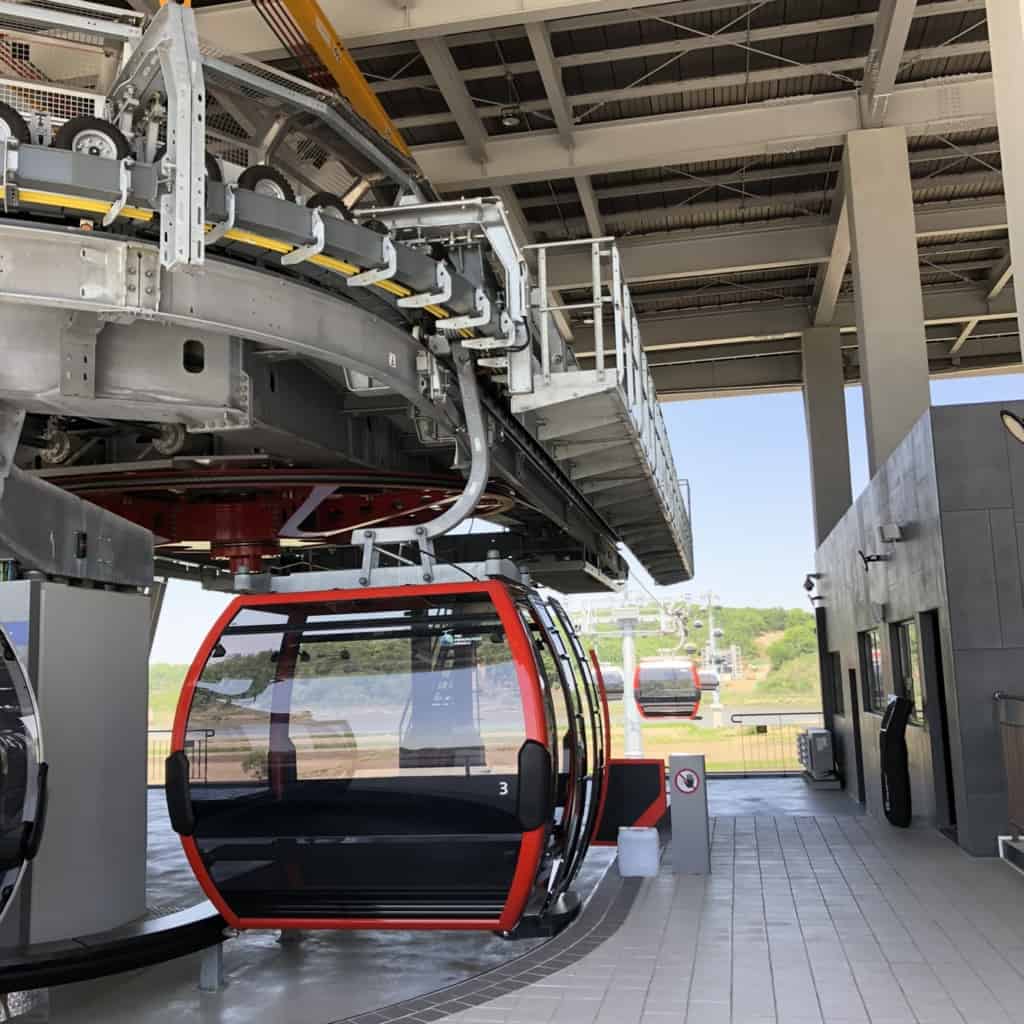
[(741, 626), (164, 686)]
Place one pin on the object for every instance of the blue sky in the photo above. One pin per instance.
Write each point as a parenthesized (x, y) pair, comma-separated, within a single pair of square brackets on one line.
[(746, 460)]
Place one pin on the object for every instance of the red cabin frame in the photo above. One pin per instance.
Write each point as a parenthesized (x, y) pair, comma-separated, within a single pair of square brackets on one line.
[(532, 844)]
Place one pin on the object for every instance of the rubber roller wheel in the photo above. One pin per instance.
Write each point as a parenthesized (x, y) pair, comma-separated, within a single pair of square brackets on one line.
[(330, 204), (12, 125), (93, 136), (266, 181), (213, 171)]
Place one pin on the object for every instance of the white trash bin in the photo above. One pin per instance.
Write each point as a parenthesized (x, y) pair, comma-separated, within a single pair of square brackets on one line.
[(638, 852)]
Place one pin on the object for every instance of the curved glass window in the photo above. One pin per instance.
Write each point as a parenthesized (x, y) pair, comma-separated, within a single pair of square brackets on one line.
[(362, 758)]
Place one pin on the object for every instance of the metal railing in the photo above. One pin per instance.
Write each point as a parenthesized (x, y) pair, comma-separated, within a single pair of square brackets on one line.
[(197, 749), (1011, 727), (625, 358), (767, 741)]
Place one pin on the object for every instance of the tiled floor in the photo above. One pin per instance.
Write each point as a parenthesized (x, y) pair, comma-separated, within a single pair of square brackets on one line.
[(804, 919)]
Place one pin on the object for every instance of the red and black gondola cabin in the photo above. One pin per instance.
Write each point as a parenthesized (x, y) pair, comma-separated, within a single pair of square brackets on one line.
[(667, 688), (427, 756)]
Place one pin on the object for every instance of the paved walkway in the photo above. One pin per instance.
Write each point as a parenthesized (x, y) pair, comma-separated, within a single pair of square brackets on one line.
[(804, 920)]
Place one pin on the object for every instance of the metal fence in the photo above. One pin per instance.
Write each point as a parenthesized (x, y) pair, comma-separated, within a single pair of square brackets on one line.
[(197, 749), (1011, 726), (767, 741)]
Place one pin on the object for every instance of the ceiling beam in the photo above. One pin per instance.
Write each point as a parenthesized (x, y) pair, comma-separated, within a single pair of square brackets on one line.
[(939, 340), (449, 80), (551, 78), (809, 202), (784, 372), (768, 320), (680, 183), (1000, 276), (591, 208), (561, 111), (808, 122), (680, 87), (374, 22), (238, 27), (830, 275), (965, 333), (702, 252), (888, 41)]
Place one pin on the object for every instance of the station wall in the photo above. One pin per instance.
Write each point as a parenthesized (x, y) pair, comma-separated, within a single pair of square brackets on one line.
[(955, 489)]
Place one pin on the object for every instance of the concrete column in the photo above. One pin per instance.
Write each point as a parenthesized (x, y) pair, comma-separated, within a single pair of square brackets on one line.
[(827, 439), (1006, 40), (887, 287)]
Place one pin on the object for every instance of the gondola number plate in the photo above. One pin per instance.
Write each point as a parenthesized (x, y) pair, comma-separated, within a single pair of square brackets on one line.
[(686, 781)]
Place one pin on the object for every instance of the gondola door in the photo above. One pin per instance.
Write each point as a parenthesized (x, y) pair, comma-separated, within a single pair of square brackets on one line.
[(374, 759), (576, 768), (592, 725)]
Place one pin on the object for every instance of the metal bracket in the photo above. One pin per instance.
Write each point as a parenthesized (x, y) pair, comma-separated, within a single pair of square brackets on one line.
[(443, 292), (479, 471), (385, 273), (124, 178), (305, 252), (482, 315), (78, 355), (169, 49), (218, 231)]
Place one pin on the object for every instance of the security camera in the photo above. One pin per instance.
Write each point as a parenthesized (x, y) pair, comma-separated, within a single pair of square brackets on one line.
[(809, 581)]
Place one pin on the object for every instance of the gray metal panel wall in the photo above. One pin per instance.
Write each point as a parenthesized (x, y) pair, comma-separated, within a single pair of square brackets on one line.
[(88, 657), (956, 486), (980, 474), (903, 491)]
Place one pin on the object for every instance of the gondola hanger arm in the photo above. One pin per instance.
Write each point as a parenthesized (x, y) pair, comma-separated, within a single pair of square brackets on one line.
[(463, 507)]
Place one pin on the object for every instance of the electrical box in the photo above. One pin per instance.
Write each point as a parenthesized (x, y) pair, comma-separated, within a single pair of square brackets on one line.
[(814, 749)]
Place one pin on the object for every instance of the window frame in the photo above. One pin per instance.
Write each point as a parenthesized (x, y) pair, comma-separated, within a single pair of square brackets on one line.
[(835, 668), (902, 671), (868, 673)]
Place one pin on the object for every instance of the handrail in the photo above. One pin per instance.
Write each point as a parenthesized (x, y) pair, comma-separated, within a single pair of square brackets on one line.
[(621, 355), (1002, 695), (737, 717)]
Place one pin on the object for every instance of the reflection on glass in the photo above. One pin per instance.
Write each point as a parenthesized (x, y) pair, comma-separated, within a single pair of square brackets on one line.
[(908, 650)]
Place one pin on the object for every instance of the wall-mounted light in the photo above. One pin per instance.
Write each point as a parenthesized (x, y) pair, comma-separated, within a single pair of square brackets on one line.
[(890, 533), (1014, 424), (869, 560)]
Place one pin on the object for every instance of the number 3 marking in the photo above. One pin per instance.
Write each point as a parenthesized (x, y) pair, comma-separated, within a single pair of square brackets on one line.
[(502, 789)]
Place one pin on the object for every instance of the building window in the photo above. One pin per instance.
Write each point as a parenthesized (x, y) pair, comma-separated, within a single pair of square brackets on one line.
[(871, 670), (835, 670), (906, 649)]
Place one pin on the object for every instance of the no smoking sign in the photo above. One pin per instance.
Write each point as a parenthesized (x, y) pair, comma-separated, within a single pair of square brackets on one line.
[(686, 781)]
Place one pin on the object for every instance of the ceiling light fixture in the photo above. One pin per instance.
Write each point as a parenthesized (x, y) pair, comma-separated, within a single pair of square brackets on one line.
[(511, 117)]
